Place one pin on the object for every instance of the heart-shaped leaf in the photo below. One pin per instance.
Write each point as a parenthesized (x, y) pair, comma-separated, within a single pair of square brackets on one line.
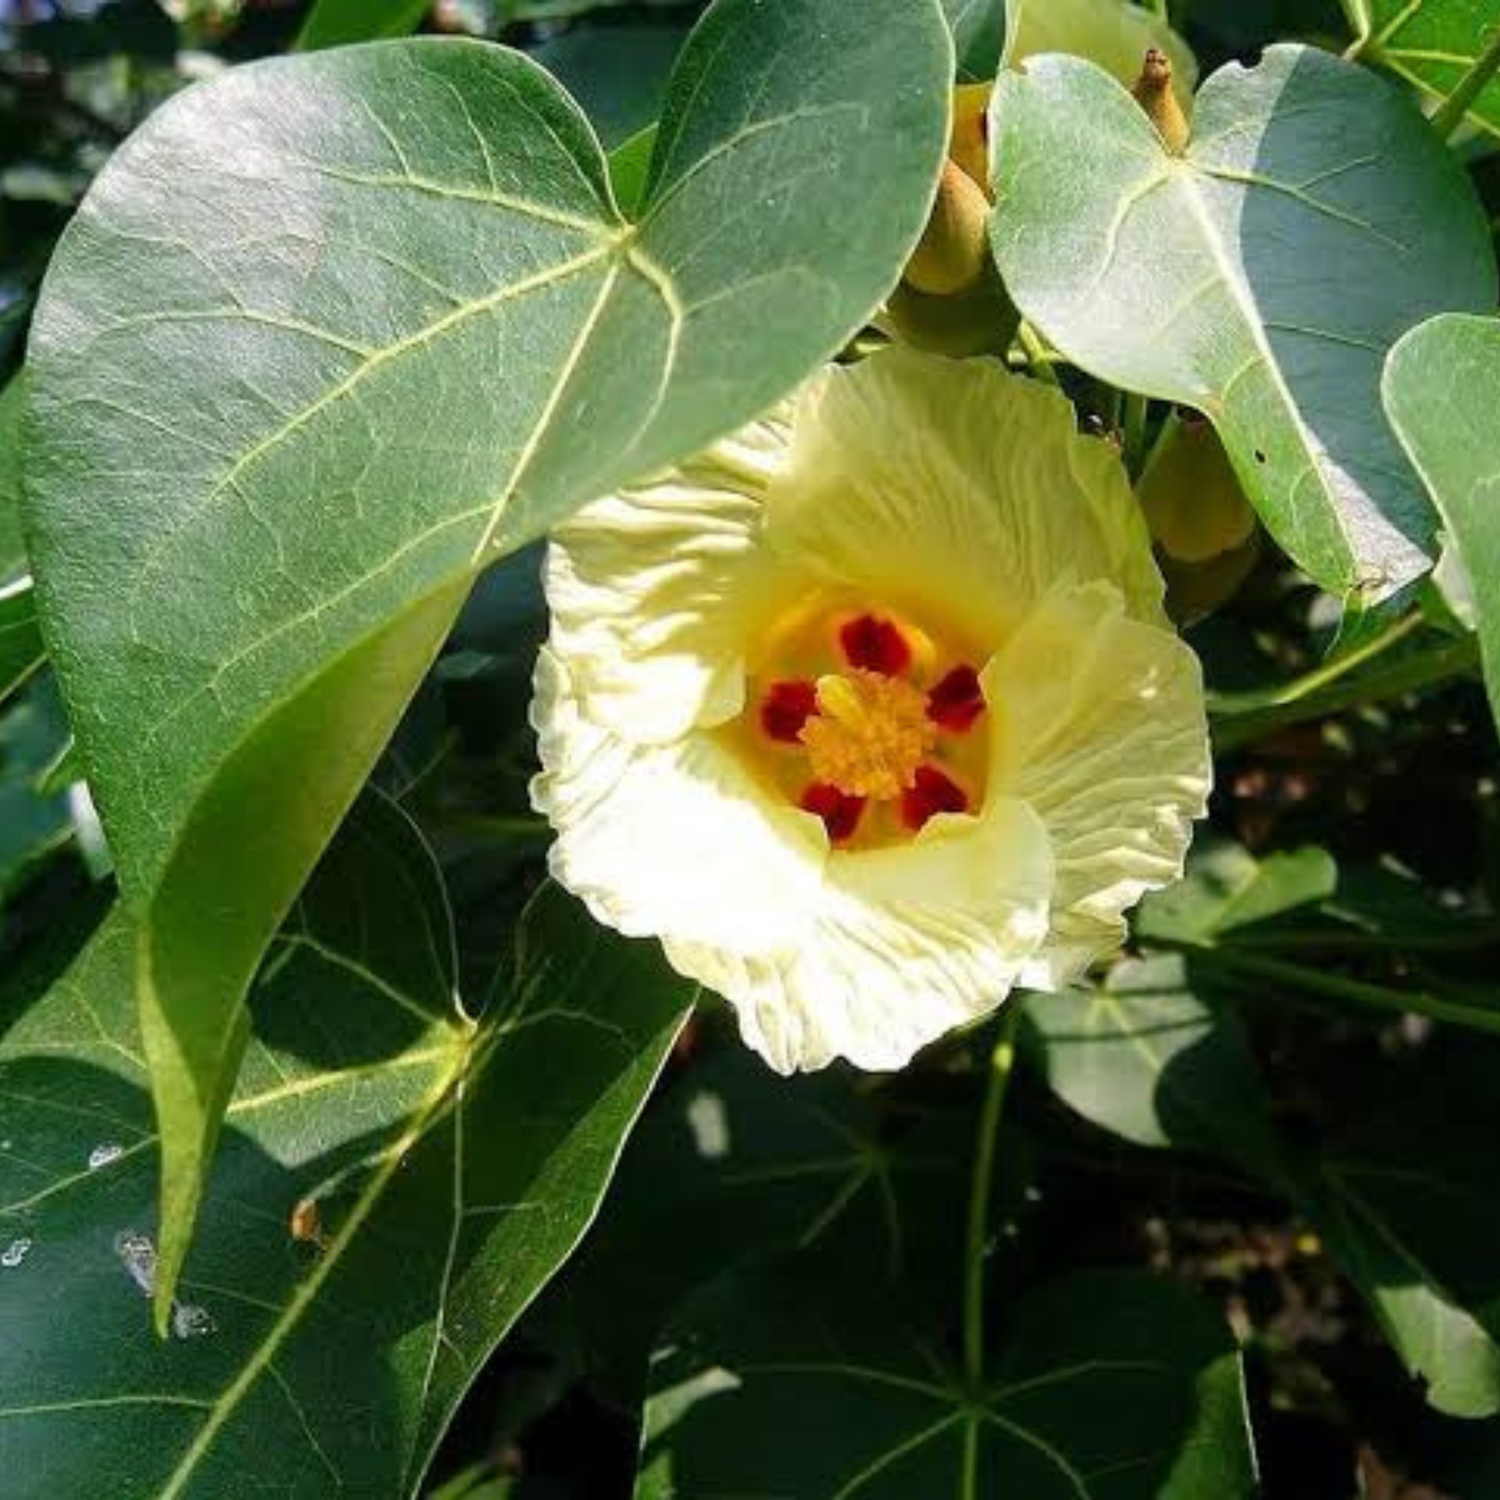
[(1112, 1386), (1261, 277), (1442, 390), (331, 333), (394, 1185)]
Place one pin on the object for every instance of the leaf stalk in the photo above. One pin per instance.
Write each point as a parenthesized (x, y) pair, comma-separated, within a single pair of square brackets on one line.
[(1002, 1063)]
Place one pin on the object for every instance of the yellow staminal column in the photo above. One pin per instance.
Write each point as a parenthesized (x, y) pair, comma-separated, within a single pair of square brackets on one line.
[(871, 734)]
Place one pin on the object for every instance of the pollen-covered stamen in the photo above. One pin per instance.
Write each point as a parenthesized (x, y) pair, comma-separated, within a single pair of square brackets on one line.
[(875, 645), (932, 793), (957, 701), (840, 813), (869, 735), (786, 707)]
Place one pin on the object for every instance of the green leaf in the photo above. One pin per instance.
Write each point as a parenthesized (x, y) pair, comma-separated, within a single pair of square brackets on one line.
[(617, 73), (1260, 278), (1407, 1205), (336, 23), (33, 823), (733, 1161), (21, 648), (629, 167), (271, 445), (453, 1164), (1146, 1057), (1442, 386), (1226, 888), (1433, 45), (13, 563), (1114, 1386), (978, 28)]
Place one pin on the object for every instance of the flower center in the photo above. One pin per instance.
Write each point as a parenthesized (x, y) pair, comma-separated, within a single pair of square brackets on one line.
[(869, 735), (867, 720)]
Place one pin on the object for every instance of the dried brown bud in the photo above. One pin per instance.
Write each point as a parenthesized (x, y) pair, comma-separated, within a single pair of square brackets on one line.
[(1153, 92)]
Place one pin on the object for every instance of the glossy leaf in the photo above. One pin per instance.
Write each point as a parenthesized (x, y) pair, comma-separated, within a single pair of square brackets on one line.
[(395, 1184), (1114, 1386), (1172, 276), (1442, 386), (281, 416), (1432, 44)]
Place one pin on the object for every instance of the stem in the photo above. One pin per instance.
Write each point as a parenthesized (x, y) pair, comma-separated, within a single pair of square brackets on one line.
[(1449, 115), (1338, 986), (1036, 353), (1298, 705), (1002, 1060)]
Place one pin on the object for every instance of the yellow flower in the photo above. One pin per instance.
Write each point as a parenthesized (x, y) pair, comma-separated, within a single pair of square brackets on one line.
[(871, 712)]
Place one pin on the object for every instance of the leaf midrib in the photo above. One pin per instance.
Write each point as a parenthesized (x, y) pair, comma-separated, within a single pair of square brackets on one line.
[(260, 1360), (1249, 317)]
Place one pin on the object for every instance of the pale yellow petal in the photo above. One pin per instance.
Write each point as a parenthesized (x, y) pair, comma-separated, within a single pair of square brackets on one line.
[(1098, 723), (956, 490), (656, 591), (673, 840), (907, 944)]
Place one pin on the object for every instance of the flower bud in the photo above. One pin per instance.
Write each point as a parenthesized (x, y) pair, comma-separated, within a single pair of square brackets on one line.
[(981, 319), (969, 135), (1191, 495), (1153, 92), (1207, 540), (954, 247)]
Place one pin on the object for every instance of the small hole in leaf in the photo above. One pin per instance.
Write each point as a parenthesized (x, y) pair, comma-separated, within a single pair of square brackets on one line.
[(1260, 457)]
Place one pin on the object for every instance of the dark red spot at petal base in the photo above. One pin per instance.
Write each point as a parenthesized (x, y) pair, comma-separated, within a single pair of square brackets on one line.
[(840, 813), (956, 701), (786, 707), (932, 793), (876, 645)]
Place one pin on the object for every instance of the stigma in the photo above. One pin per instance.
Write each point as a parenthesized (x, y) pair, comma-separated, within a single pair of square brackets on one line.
[(870, 734), (882, 734)]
